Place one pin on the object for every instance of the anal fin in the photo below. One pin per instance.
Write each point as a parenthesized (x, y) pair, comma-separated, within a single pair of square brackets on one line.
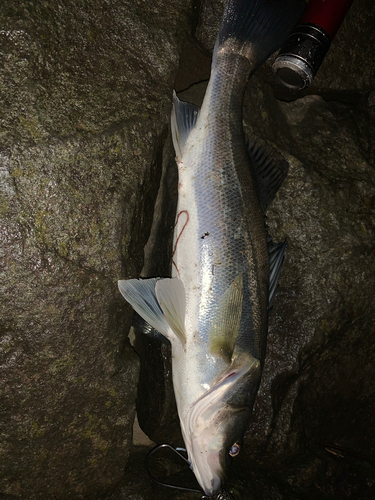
[(183, 120)]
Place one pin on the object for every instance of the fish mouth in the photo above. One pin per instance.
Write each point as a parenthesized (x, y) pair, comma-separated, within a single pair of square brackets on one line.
[(207, 469), (204, 434), (199, 430), (214, 421)]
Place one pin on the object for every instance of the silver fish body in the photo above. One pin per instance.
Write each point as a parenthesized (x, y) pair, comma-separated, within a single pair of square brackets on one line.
[(221, 257), (214, 309)]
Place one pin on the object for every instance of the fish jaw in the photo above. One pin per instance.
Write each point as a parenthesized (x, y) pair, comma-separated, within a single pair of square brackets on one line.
[(218, 420)]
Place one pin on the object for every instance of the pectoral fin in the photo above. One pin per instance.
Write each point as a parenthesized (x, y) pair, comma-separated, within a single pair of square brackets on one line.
[(242, 378), (226, 322), (236, 388)]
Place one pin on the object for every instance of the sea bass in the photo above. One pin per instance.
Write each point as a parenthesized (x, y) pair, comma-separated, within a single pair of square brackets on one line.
[(214, 309)]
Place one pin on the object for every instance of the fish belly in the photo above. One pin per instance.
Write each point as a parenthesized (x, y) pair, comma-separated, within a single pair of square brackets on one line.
[(213, 245)]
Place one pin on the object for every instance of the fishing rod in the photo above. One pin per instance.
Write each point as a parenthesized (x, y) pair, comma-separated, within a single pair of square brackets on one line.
[(307, 45)]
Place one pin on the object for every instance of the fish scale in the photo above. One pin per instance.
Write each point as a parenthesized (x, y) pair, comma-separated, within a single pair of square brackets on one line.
[(213, 175), (218, 178), (214, 309)]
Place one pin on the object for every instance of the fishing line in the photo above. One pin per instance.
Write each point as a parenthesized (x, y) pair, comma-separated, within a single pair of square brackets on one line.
[(167, 485), (222, 495)]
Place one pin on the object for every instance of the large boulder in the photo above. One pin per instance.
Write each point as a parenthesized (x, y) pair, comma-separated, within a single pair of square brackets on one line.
[(86, 92), (85, 98)]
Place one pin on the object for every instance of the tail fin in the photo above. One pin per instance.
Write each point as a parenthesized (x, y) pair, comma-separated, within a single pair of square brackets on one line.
[(258, 27)]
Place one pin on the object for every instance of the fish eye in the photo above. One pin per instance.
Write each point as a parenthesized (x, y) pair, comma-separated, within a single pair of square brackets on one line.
[(235, 449)]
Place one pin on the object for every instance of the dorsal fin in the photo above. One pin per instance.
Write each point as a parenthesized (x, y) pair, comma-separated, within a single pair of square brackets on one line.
[(183, 120), (226, 321), (276, 253), (269, 173)]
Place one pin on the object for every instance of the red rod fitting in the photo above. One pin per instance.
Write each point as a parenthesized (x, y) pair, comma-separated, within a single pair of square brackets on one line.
[(304, 51)]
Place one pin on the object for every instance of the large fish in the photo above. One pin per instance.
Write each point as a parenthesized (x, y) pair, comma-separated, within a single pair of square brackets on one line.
[(214, 309)]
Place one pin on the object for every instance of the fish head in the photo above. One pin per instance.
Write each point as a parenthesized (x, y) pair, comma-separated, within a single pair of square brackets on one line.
[(215, 424)]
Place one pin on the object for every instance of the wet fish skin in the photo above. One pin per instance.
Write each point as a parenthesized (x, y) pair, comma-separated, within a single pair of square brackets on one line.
[(220, 233), (214, 309)]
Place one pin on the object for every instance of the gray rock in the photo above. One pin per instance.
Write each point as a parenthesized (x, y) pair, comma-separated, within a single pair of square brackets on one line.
[(316, 381), (348, 66), (85, 98), (86, 94), (209, 23)]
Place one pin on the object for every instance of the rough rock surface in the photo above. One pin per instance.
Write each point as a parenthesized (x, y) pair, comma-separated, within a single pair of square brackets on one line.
[(311, 434), (85, 98), (316, 391)]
